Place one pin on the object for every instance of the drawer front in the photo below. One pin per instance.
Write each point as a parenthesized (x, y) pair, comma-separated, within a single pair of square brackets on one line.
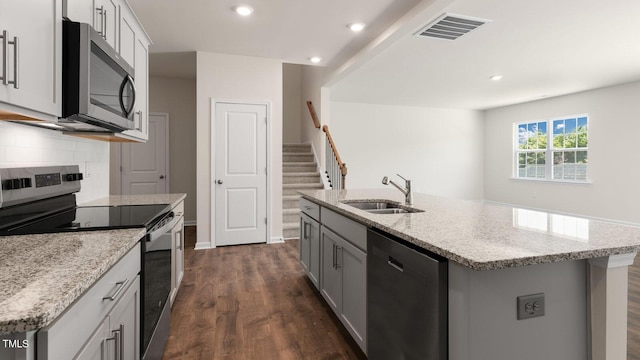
[(72, 329), (350, 230), (310, 208)]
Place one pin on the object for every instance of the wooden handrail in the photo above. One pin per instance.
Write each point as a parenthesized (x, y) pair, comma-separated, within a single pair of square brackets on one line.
[(314, 117), (343, 166)]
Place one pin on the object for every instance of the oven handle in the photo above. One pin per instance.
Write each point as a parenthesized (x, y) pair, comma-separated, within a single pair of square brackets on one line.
[(156, 234)]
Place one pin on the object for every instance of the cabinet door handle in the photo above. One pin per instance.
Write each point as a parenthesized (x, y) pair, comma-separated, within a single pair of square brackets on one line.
[(338, 248), (102, 31), (16, 61), (335, 256), (179, 240), (104, 21), (5, 58), (121, 286), (139, 126), (118, 339), (305, 233)]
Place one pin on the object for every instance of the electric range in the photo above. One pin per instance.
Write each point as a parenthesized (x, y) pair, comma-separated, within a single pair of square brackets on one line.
[(40, 200)]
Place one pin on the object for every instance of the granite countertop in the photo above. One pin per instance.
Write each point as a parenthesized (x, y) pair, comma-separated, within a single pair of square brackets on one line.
[(487, 236), (115, 200), (41, 275)]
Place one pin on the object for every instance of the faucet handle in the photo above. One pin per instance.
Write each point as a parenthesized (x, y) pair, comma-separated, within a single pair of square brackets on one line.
[(401, 177)]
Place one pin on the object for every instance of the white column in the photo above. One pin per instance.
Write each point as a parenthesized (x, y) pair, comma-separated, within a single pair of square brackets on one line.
[(608, 311)]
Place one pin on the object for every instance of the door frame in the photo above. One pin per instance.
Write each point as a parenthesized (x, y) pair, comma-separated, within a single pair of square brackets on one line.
[(212, 170), (115, 183)]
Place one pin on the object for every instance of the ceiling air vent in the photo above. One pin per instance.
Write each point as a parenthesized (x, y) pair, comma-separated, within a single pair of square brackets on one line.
[(451, 26)]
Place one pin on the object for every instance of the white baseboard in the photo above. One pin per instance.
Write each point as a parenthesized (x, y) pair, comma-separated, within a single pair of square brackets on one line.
[(204, 245), (276, 240)]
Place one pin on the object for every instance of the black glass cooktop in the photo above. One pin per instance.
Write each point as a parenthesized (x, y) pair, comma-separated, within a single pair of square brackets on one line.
[(93, 218)]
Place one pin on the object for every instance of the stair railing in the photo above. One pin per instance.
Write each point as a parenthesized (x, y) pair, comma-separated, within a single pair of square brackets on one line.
[(336, 170), (314, 116)]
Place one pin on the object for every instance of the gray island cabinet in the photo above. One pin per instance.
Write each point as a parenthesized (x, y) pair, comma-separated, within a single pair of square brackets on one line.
[(333, 254), (496, 258)]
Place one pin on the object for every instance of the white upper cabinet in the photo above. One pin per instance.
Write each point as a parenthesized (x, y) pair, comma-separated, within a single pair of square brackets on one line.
[(31, 58), (101, 14), (134, 45)]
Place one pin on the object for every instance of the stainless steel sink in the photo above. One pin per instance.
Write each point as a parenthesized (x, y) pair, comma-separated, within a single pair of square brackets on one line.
[(381, 206)]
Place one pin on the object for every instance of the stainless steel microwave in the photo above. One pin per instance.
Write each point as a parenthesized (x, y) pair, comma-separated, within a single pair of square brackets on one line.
[(98, 88)]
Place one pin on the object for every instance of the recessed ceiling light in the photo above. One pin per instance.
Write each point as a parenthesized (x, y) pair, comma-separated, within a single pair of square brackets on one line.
[(496, 77), (243, 10), (315, 59), (357, 27)]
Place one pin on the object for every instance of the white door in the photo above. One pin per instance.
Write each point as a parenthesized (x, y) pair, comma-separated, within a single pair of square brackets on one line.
[(145, 166), (240, 173)]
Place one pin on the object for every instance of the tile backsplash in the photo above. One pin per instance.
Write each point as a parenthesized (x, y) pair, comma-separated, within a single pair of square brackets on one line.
[(23, 145)]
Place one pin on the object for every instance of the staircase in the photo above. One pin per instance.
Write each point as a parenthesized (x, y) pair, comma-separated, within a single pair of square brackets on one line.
[(299, 172)]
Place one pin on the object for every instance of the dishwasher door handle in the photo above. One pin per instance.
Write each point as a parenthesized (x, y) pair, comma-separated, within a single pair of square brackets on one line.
[(395, 264)]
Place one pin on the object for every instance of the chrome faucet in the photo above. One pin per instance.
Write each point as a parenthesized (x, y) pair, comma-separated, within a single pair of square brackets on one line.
[(408, 194)]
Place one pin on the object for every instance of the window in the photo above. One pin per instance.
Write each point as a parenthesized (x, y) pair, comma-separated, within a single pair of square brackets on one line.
[(552, 149)]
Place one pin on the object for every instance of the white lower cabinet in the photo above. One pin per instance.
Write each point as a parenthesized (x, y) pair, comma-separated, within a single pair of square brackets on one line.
[(117, 335), (177, 252), (104, 323)]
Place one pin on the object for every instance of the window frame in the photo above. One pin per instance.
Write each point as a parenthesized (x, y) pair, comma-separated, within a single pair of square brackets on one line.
[(550, 150)]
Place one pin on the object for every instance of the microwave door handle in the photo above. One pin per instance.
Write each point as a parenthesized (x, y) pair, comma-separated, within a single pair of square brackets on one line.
[(125, 111)]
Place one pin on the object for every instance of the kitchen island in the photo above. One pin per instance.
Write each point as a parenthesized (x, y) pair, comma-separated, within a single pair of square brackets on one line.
[(498, 253)]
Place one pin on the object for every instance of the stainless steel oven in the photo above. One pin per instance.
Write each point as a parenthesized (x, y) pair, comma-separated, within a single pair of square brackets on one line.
[(98, 88), (156, 307)]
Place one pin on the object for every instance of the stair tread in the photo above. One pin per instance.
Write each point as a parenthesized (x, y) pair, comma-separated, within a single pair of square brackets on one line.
[(290, 211), (297, 153), (291, 197), (299, 163), (302, 185), (291, 225), (292, 174)]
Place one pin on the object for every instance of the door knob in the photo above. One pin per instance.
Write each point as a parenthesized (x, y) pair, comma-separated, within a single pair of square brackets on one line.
[(219, 182), (161, 176)]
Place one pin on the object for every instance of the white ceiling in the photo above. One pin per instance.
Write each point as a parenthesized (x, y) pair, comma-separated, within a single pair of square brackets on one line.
[(543, 48), (290, 30)]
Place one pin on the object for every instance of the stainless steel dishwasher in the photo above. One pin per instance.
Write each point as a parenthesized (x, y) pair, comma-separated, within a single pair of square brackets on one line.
[(406, 301)]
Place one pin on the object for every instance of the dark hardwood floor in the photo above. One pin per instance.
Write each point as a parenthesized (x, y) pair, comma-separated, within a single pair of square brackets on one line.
[(251, 302), (255, 302)]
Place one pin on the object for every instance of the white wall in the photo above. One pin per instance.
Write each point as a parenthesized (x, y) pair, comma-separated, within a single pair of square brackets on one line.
[(293, 104), (232, 77), (313, 78), (440, 150), (614, 125), (177, 97), (22, 145)]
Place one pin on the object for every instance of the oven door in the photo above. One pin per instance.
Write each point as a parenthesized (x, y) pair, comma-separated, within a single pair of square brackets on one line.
[(157, 287)]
